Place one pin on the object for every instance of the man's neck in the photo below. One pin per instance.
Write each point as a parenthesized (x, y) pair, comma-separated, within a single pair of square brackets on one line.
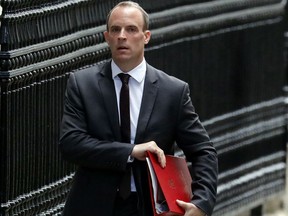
[(126, 66)]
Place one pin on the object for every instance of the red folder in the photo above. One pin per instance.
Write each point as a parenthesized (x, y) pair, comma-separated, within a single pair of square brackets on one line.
[(168, 184)]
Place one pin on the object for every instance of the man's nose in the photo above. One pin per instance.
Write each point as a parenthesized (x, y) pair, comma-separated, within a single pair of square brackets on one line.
[(122, 34)]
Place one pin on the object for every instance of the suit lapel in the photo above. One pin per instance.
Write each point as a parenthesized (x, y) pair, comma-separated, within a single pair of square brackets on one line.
[(107, 88), (147, 104)]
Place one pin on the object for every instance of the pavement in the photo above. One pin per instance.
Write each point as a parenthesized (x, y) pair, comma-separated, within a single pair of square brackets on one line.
[(277, 213)]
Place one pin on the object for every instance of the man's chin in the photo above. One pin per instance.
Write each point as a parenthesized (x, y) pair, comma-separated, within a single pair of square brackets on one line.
[(122, 58)]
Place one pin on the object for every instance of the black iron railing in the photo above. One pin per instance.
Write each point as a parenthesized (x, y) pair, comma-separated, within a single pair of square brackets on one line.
[(230, 52)]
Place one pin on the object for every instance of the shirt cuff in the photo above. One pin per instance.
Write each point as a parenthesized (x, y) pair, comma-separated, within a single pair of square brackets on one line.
[(130, 159)]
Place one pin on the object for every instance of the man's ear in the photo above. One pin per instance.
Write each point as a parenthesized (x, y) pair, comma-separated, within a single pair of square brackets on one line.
[(147, 35), (106, 36)]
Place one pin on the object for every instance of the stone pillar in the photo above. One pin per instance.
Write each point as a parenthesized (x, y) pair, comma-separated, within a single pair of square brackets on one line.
[(286, 119)]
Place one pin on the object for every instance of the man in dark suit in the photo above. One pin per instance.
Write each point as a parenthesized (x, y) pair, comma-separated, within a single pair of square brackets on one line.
[(161, 114)]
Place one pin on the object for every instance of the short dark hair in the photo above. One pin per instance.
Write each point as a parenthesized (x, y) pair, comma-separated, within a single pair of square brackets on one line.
[(130, 4)]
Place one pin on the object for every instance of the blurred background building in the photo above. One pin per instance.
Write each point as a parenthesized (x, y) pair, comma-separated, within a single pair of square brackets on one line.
[(233, 53)]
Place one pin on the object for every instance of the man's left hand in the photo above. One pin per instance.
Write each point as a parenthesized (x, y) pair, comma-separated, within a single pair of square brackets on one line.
[(190, 209)]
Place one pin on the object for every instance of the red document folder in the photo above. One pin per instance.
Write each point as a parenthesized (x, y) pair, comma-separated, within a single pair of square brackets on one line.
[(168, 184)]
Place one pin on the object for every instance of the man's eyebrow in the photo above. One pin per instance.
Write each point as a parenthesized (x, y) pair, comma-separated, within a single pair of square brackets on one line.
[(114, 26), (134, 26), (118, 26)]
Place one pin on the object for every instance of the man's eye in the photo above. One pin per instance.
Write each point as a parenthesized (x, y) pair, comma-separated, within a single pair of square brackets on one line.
[(115, 30), (132, 29)]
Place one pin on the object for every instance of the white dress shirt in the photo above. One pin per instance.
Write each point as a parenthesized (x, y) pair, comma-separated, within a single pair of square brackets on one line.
[(136, 86)]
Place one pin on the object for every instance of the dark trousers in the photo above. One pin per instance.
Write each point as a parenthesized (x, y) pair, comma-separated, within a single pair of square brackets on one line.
[(127, 207)]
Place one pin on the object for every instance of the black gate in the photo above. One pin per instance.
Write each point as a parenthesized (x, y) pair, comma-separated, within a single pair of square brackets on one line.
[(230, 52)]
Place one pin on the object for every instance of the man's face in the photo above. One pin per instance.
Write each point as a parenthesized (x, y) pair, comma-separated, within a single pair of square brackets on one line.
[(126, 36)]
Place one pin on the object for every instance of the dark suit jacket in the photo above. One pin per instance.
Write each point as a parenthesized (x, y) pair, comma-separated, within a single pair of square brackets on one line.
[(91, 138)]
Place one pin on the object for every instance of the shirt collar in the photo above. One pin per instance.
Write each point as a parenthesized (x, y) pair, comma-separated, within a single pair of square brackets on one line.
[(138, 73)]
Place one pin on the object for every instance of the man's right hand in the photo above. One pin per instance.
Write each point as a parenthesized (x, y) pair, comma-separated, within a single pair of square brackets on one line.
[(139, 152)]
